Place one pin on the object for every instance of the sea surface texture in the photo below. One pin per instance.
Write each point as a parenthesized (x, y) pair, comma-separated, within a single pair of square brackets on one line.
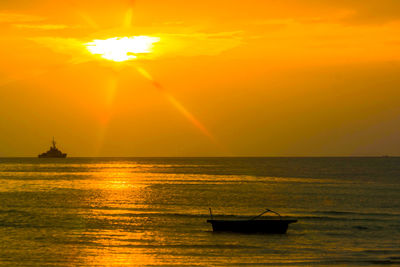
[(153, 211)]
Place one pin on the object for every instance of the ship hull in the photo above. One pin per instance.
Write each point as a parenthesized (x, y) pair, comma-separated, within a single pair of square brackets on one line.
[(52, 156)]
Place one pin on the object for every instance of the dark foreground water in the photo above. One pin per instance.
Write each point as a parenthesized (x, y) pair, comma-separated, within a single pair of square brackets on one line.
[(153, 211)]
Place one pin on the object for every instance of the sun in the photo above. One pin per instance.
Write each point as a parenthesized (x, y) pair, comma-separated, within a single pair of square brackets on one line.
[(121, 49)]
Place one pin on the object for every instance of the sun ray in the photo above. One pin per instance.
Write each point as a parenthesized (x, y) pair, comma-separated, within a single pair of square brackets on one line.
[(128, 18), (121, 49), (189, 116), (129, 15), (88, 20), (85, 16), (106, 114)]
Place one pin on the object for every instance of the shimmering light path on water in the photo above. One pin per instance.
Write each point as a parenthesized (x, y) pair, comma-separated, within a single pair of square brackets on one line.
[(153, 211)]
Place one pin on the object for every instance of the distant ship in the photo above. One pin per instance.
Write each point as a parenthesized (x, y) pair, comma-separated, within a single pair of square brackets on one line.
[(53, 152)]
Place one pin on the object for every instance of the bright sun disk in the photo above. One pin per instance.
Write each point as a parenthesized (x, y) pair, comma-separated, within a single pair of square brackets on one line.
[(122, 48)]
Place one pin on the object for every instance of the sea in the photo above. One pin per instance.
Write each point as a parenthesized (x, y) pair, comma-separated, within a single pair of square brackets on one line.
[(154, 211)]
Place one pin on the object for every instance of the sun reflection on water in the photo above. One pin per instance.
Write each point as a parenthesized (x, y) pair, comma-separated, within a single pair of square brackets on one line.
[(117, 214)]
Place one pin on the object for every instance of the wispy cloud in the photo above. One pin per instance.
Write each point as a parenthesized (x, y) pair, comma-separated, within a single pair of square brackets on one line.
[(346, 12), (67, 46), (8, 17), (170, 45), (368, 12), (196, 44), (29, 21), (44, 26)]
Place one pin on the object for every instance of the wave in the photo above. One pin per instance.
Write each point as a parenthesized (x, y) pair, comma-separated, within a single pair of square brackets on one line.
[(334, 212), (15, 211)]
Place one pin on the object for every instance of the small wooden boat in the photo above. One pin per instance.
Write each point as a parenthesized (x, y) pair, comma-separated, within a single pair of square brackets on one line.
[(253, 225)]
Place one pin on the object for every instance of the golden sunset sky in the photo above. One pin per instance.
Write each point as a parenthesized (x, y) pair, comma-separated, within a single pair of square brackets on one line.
[(222, 78)]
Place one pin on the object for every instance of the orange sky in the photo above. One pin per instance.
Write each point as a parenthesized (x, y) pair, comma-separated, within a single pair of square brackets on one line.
[(227, 78)]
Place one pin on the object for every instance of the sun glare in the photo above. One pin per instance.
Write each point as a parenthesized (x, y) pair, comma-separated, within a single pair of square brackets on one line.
[(122, 48)]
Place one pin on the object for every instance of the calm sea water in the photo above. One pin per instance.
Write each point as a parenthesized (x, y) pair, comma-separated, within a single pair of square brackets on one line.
[(153, 211)]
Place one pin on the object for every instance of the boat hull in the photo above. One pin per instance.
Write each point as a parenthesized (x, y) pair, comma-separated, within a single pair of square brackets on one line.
[(52, 156), (251, 226)]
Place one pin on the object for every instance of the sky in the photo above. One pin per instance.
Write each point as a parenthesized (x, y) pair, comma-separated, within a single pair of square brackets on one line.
[(220, 78)]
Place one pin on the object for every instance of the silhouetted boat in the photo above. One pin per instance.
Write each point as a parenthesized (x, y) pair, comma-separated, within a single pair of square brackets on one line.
[(253, 225), (53, 152)]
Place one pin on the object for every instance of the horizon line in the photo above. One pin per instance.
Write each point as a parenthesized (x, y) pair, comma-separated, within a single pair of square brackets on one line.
[(337, 156)]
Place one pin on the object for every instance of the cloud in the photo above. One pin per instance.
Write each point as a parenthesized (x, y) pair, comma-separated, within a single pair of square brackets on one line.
[(369, 11), (44, 26), (349, 11), (28, 21), (196, 44), (170, 45), (6, 17), (67, 46)]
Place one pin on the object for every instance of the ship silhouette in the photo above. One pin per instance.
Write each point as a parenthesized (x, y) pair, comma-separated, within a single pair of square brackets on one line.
[(53, 152)]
